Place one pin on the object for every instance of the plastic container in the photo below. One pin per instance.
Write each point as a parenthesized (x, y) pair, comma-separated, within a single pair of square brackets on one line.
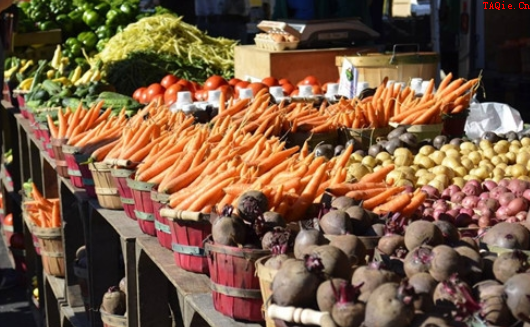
[(415, 84), (361, 86), (246, 93)]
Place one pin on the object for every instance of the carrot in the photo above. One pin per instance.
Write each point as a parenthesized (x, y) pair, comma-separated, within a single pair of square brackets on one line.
[(396, 204), (428, 114), (458, 109), (382, 197), (54, 130), (417, 199), (443, 84), (299, 208), (56, 215), (177, 169), (276, 158), (452, 87), (212, 195), (157, 167), (428, 91), (342, 189), (377, 176), (62, 124), (363, 194)]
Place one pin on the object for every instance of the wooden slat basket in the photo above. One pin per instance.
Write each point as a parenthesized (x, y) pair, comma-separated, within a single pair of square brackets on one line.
[(163, 231), (120, 179), (60, 162), (144, 210), (105, 186), (51, 250)]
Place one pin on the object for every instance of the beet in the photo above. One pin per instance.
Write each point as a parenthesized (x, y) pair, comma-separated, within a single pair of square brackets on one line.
[(336, 222), (429, 320), (347, 310), (306, 238), (228, 229), (352, 246), (510, 263), (114, 301), (494, 309), (335, 262), (445, 261), (371, 276), (392, 245), (424, 285), (360, 219), (449, 231), (342, 202), (276, 261), (417, 260), (278, 237), (273, 219), (296, 282), (390, 305), (454, 297), (326, 296), (252, 204), (507, 235), (422, 232), (471, 263), (517, 290)]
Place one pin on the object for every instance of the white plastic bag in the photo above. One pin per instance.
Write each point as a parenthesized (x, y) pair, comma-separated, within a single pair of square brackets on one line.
[(492, 116)]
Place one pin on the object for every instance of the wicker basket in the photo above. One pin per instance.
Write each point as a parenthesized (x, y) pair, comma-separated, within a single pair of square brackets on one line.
[(265, 275), (105, 186), (363, 137)]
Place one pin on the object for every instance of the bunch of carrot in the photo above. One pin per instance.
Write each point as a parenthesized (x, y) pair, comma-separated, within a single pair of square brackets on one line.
[(73, 122), (451, 97), (379, 196), (42, 212)]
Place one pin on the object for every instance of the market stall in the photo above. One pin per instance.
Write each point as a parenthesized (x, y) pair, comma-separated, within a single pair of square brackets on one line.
[(156, 186)]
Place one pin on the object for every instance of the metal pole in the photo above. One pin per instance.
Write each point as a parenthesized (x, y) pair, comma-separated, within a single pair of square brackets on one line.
[(435, 35)]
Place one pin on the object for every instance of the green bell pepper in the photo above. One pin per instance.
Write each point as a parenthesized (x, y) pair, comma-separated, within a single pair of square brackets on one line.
[(89, 39), (91, 18), (47, 25), (114, 17), (101, 44), (66, 23), (103, 32)]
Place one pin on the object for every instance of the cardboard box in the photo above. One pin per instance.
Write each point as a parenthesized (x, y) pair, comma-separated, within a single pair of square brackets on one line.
[(253, 62)]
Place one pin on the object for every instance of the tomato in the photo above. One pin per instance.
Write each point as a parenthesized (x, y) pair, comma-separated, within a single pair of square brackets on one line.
[(213, 82), (232, 82), (282, 81), (169, 80), (137, 95), (317, 89), (144, 99), (8, 219), (227, 90), (187, 84), (194, 86), (270, 81), (288, 88), (159, 99), (153, 90), (309, 80), (170, 95), (201, 95), (295, 92), (256, 87)]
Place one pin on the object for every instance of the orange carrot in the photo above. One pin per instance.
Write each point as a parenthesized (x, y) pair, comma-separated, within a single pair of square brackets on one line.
[(342, 189), (212, 195), (54, 130), (299, 208), (377, 176), (373, 202), (418, 198), (364, 194), (443, 84), (396, 204)]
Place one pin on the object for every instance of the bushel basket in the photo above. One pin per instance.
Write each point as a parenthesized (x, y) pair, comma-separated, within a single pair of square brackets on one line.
[(51, 249), (120, 178), (60, 162), (143, 206), (163, 231), (105, 186), (188, 232), (80, 174), (234, 282)]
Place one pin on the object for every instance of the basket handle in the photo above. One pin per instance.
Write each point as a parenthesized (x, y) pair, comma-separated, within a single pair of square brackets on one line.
[(394, 48), (117, 162), (300, 315), (181, 214)]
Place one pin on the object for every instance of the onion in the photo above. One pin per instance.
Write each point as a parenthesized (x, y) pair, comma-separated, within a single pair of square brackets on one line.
[(458, 197), (488, 185), (517, 186), (453, 212), (506, 198), (517, 205), (504, 182), (467, 211), (432, 192), (470, 201), (446, 194), (497, 191)]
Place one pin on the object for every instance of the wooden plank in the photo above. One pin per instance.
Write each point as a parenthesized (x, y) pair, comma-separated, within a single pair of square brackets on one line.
[(56, 284), (53, 317), (124, 226), (103, 254), (152, 288), (73, 212), (203, 305), (75, 317), (129, 257), (48, 178), (23, 150)]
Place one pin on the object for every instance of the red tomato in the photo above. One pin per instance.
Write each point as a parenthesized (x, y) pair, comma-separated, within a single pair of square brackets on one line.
[(170, 95), (137, 95), (232, 82), (213, 82), (295, 92), (239, 86), (317, 89), (8, 219), (282, 81), (256, 87), (201, 95), (159, 99), (288, 88), (309, 80), (153, 90), (194, 86), (270, 81), (168, 80), (144, 99), (227, 90)]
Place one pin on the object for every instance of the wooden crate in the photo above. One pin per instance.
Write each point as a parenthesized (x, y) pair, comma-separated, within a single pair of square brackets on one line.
[(36, 38), (294, 65)]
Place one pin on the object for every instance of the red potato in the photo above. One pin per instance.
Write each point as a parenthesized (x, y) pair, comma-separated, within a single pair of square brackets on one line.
[(390, 305)]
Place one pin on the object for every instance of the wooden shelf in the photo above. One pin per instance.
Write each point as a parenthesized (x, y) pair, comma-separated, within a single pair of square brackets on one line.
[(123, 225), (57, 285), (76, 316)]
